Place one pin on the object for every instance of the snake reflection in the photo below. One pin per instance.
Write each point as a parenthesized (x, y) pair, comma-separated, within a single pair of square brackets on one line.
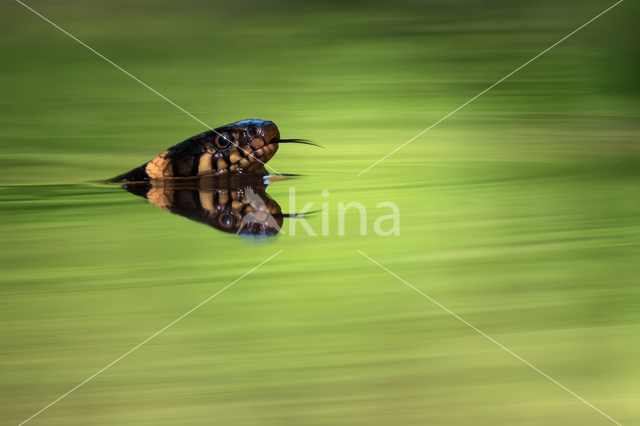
[(235, 204)]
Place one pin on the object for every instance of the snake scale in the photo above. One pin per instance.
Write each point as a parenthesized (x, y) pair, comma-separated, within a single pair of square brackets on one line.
[(240, 147)]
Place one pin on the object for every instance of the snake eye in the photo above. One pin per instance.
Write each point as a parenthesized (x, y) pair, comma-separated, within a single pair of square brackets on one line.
[(223, 141), (226, 220)]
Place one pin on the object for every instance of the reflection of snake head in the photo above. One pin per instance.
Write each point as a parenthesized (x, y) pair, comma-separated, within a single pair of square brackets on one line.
[(260, 219), (223, 205), (244, 146)]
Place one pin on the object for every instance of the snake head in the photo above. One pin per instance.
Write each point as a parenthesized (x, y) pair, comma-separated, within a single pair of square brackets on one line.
[(243, 146)]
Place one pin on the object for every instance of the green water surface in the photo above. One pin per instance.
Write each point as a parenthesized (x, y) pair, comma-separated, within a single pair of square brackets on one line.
[(520, 213)]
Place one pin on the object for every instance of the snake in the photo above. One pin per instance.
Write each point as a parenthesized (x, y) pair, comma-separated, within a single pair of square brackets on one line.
[(240, 147)]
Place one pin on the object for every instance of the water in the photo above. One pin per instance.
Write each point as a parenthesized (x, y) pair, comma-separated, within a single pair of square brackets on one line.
[(520, 214)]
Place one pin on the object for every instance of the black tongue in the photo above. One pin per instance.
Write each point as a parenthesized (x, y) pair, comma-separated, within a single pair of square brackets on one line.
[(300, 141)]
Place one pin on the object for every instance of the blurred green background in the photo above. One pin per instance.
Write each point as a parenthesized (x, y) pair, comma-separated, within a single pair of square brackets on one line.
[(520, 213)]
